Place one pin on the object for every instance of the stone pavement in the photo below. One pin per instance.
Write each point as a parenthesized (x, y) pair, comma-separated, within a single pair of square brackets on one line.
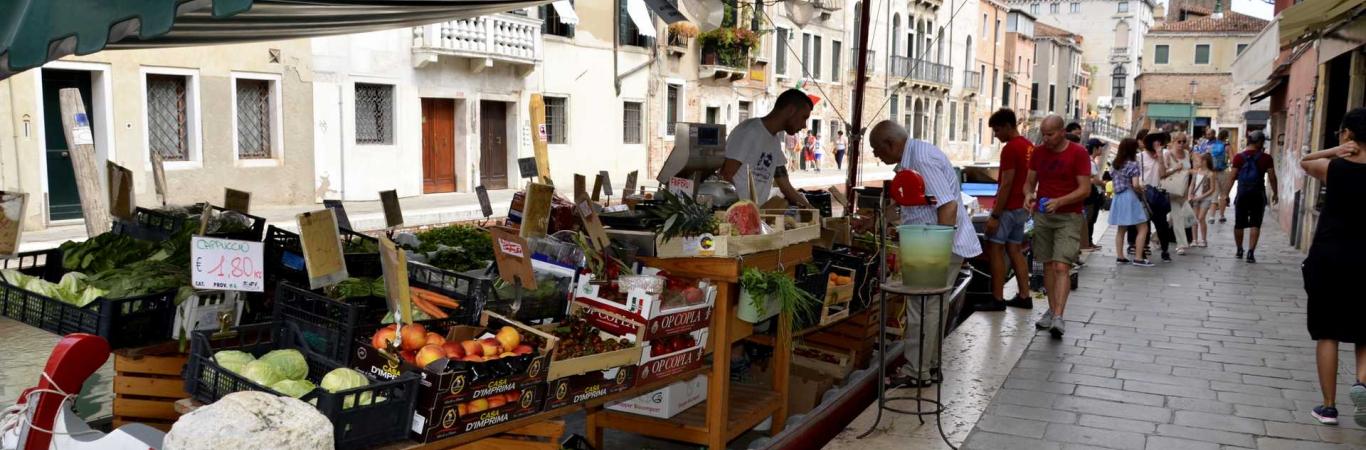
[(1204, 353)]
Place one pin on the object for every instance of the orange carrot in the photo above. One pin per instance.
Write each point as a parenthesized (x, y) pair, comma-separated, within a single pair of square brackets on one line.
[(435, 298), (427, 307)]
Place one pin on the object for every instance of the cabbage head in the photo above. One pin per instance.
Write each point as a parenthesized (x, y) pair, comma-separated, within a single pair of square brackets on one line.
[(235, 357), (288, 362), (261, 372), (293, 388), (342, 379)]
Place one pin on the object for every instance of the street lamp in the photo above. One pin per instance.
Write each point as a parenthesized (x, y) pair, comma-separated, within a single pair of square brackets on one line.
[(1190, 127)]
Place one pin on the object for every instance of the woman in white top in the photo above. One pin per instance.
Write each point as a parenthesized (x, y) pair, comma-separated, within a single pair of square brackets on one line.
[(1202, 196), (1150, 159), (1176, 181)]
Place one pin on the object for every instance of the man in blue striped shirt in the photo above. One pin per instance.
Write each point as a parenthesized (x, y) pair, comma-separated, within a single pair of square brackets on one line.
[(892, 145)]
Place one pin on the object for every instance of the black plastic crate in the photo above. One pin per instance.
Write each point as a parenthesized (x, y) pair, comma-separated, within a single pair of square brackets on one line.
[(152, 225), (329, 325), (378, 413), (285, 258), (548, 305), (127, 322)]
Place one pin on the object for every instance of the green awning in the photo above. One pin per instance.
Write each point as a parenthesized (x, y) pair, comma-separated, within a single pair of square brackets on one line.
[(1169, 111), (33, 32)]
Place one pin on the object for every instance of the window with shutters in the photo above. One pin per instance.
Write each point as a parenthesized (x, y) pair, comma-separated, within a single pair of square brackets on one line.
[(630, 115), (168, 116), (780, 52), (1202, 53), (551, 23), (1161, 53), (744, 111), (953, 120), (627, 33), (374, 114), (556, 120), (672, 107), (816, 59), (835, 62), (255, 102)]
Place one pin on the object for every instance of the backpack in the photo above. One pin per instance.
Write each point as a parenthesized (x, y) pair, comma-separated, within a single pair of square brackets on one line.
[(1249, 175), (1219, 154)]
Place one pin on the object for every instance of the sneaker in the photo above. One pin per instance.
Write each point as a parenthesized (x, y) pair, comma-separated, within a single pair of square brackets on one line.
[(1121, 261), (1223, 220), (1239, 255), (1020, 302), (1358, 394), (1057, 328), (1045, 322), (1251, 257), (1326, 415), (990, 306), (1141, 263), (1166, 257)]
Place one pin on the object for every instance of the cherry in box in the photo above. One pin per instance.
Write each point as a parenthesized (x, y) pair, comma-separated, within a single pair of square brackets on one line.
[(666, 305)]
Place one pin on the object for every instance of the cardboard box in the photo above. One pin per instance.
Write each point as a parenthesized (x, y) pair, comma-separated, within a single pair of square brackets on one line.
[(646, 308), (829, 362), (588, 386), (805, 390), (450, 382), (666, 402), (443, 421), (655, 367), (560, 368)]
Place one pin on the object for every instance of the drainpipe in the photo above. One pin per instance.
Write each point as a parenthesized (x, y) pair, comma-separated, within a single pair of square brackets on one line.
[(341, 141), (616, 44)]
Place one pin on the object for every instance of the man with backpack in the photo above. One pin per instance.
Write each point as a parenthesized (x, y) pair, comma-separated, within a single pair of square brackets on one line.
[(1251, 168), (1217, 148)]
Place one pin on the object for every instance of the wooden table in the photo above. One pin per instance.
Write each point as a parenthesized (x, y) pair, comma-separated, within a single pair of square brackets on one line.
[(729, 410)]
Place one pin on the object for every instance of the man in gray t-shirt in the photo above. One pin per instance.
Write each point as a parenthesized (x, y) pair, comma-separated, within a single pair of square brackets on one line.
[(754, 149)]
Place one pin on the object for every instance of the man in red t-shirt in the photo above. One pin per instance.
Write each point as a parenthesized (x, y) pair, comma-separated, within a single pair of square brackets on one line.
[(1058, 182), (1005, 228), (1250, 169)]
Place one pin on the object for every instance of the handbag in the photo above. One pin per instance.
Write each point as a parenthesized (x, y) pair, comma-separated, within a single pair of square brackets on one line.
[(1176, 183)]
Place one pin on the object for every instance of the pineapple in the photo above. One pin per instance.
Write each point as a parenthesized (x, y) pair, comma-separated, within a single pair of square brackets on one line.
[(683, 216)]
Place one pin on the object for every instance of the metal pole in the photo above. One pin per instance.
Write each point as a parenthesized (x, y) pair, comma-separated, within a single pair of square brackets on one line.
[(1190, 126), (860, 85)]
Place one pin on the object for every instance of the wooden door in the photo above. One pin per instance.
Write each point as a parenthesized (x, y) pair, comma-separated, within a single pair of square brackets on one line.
[(438, 145), (493, 145)]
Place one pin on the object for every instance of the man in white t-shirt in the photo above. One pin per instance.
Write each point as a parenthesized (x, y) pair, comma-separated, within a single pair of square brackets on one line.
[(754, 149)]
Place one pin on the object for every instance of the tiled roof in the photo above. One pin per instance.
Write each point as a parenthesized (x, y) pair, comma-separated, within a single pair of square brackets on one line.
[(1043, 30), (1231, 21)]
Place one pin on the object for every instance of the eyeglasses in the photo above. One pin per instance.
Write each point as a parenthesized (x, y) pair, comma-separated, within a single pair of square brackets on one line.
[(1181, 142)]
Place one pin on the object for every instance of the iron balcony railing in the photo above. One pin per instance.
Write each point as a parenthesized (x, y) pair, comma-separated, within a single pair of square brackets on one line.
[(921, 70)]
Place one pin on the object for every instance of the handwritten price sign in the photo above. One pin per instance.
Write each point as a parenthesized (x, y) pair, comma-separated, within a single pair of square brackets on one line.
[(226, 264)]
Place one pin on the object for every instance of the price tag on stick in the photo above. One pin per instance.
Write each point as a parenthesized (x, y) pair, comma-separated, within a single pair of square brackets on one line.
[(159, 175), (322, 248), (606, 183), (235, 200), (395, 265), (12, 207), (485, 206), (630, 183), (592, 225), (121, 202), (597, 187), (339, 212), (536, 210), (393, 213), (527, 167), (513, 257), (580, 188), (227, 265)]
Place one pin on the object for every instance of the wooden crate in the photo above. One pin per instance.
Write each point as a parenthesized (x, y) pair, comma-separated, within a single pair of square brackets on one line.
[(147, 383), (857, 335), (543, 435), (835, 306)]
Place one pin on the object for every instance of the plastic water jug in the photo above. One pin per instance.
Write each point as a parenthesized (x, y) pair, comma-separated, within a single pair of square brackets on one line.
[(924, 255)]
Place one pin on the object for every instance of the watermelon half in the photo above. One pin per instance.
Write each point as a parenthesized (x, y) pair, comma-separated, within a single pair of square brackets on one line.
[(744, 219)]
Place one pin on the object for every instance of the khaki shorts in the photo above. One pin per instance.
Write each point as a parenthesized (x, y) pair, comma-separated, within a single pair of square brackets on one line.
[(1057, 237)]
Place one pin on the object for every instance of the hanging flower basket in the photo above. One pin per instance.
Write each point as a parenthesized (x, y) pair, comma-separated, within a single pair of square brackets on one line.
[(728, 46)]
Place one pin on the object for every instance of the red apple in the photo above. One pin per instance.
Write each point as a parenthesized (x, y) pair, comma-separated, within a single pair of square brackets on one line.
[(523, 349), (491, 347), (408, 356), (508, 337), (461, 410), (429, 354), (414, 337), (472, 358), (453, 350), (478, 405), (382, 338), (472, 348), (434, 339), (496, 401)]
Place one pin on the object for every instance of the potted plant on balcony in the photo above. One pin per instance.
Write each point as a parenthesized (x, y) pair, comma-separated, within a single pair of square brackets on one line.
[(728, 46), (680, 33)]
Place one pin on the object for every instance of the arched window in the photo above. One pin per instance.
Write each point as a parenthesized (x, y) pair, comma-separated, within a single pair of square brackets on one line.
[(1118, 79), (911, 44), (967, 55), (896, 33), (938, 119), (939, 47)]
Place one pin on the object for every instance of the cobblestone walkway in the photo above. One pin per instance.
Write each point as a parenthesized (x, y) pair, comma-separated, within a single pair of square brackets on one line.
[(1207, 352)]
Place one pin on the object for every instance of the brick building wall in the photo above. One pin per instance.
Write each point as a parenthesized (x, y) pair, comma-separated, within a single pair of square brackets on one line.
[(1175, 88)]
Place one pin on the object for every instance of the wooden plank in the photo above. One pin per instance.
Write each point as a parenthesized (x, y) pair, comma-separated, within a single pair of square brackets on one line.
[(748, 406), (834, 340), (502, 443), (121, 421), (156, 365), (718, 386), (545, 428), (76, 127), (149, 409), (152, 387)]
